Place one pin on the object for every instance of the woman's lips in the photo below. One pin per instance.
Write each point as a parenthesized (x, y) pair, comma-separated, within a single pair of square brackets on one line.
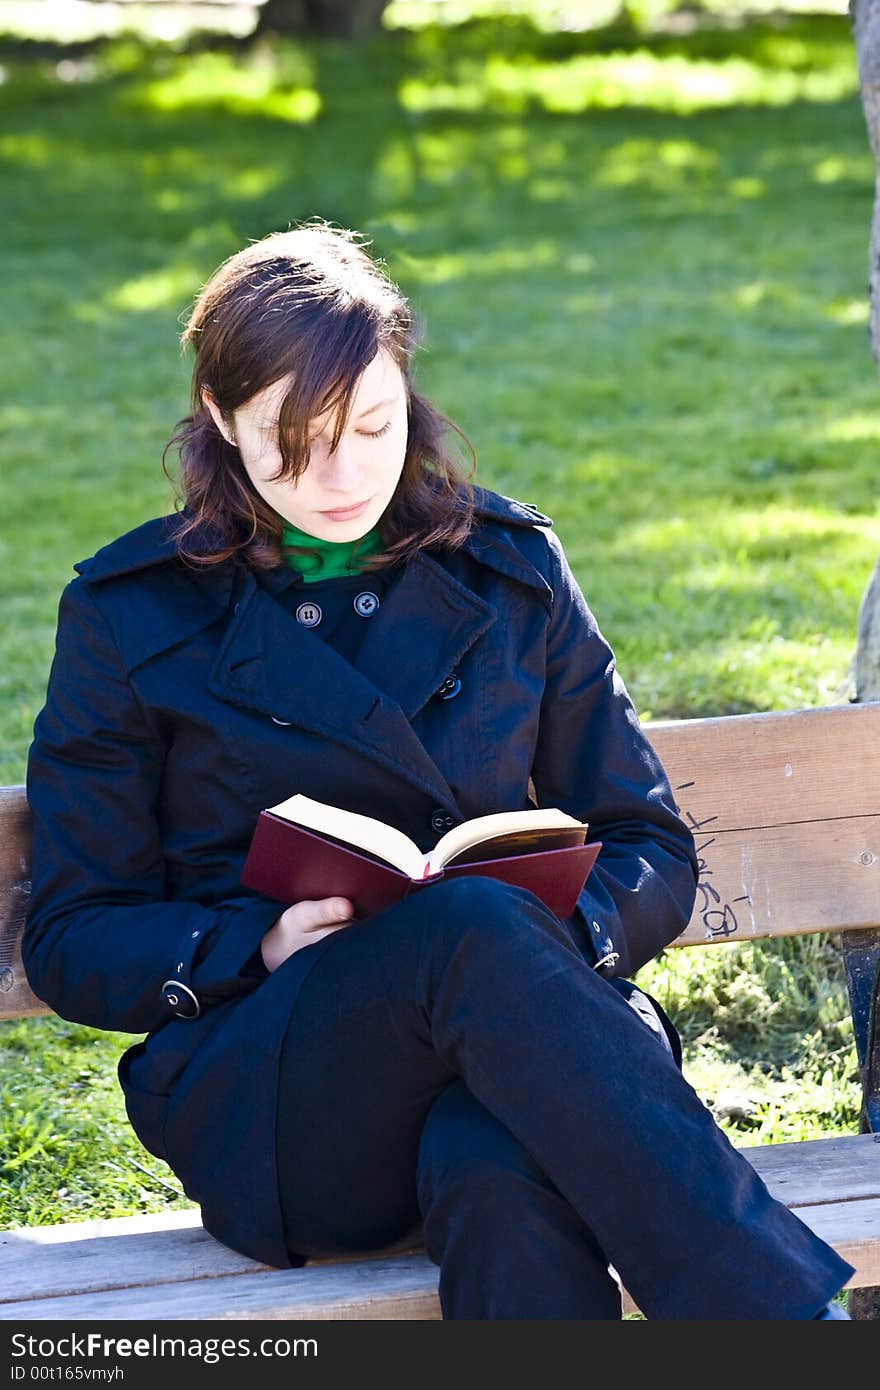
[(347, 513)]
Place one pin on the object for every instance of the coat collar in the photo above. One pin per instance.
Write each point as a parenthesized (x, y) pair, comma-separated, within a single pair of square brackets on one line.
[(179, 601), (147, 545), (185, 598)]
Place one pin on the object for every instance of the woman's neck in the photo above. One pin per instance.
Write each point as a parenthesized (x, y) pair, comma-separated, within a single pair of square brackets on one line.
[(334, 559)]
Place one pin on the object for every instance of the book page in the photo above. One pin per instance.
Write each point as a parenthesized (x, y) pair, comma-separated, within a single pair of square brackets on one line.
[(513, 843), (362, 832), (482, 830)]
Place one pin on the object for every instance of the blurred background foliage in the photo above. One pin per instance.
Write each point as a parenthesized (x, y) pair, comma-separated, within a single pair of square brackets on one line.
[(173, 21), (635, 235)]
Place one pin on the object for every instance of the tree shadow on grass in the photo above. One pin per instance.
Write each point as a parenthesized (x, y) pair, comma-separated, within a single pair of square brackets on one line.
[(625, 285)]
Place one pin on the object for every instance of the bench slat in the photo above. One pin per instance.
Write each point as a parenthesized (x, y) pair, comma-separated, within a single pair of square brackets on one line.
[(802, 1173), (853, 1229), (781, 768), (786, 881), (784, 812), (401, 1287), (80, 1257), (86, 1256)]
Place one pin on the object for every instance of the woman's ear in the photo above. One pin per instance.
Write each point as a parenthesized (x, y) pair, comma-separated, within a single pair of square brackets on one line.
[(216, 414)]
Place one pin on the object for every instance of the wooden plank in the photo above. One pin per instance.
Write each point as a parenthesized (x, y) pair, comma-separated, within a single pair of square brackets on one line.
[(786, 817), (403, 1287), (786, 881), (17, 1000), (853, 1229), (807, 1172), (125, 1252), (746, 771)]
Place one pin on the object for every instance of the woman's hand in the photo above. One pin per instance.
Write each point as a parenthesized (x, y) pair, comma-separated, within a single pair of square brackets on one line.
[(302, 924)]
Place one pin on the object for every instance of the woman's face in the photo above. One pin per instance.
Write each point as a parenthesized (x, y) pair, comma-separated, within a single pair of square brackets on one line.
[(362, 472)]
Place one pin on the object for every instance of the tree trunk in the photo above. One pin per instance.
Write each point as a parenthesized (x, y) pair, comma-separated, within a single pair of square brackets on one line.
[(342, 19), (865, 18)]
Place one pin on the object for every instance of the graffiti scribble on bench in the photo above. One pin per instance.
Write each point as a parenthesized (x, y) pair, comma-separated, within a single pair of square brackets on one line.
[(718, 917)]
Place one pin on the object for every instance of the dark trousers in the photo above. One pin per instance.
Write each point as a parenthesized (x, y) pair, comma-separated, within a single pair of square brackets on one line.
[(454, 1066)]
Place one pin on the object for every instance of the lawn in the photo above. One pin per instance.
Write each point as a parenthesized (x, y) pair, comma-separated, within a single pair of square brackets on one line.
[(640, 264)]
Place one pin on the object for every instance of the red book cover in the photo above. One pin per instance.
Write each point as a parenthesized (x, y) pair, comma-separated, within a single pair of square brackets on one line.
[(289, 863)]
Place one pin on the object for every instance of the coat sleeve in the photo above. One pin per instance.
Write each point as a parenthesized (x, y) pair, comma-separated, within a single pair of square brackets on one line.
[(593, 761), (100, 935)]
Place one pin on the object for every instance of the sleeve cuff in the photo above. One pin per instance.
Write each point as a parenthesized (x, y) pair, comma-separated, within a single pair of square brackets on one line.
[(227, 961), (605, 955)]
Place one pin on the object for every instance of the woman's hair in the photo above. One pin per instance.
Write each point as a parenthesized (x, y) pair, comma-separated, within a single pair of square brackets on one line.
[(311, 304)]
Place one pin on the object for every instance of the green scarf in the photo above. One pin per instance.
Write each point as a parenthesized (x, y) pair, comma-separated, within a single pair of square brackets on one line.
[(334, 560)]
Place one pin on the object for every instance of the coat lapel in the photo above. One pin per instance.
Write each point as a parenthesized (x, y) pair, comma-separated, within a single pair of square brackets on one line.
[(270, 663)]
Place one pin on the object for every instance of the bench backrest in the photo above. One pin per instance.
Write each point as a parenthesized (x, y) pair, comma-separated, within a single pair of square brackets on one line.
[(785, 809)]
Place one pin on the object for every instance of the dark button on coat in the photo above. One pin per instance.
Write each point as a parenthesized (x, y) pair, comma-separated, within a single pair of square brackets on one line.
[(182, 702)]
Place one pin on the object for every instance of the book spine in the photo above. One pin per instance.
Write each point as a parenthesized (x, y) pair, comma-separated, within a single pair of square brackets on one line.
[(415, 884)]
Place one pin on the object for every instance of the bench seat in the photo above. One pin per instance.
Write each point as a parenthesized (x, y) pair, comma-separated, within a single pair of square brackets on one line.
[(168, 1267)]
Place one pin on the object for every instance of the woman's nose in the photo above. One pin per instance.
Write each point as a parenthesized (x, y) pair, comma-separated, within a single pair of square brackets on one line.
[(342, 471)]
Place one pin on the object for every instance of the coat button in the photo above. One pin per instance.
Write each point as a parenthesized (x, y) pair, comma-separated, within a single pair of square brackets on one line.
[(441, 821), (450, 687), (309, 614), (366, 604)]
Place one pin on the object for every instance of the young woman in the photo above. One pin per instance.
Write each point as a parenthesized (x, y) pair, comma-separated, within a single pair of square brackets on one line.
[(336, 610)]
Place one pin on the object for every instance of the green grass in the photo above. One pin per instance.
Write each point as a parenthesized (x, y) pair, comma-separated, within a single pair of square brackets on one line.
[(641, 263), (767, 1035), (66, 1150)]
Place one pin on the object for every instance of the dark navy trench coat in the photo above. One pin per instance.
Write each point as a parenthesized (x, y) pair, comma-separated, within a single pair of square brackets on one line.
[(182, 702)]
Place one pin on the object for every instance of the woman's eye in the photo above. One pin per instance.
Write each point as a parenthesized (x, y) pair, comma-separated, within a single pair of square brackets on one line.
[(318, 441)]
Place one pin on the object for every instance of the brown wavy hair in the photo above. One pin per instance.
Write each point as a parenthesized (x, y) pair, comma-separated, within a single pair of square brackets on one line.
[(312, 304)]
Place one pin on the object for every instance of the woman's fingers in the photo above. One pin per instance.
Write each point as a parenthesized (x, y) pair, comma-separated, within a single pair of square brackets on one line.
[(324, 912), (302, 924)]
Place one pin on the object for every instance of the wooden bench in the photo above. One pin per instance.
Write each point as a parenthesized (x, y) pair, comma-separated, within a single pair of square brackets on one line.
[(786, 813)]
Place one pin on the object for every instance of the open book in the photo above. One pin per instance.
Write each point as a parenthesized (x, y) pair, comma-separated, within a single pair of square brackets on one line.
[(304, 848)]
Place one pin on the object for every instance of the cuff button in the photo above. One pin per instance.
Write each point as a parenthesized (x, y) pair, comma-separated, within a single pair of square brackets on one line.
[(180, 999)]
